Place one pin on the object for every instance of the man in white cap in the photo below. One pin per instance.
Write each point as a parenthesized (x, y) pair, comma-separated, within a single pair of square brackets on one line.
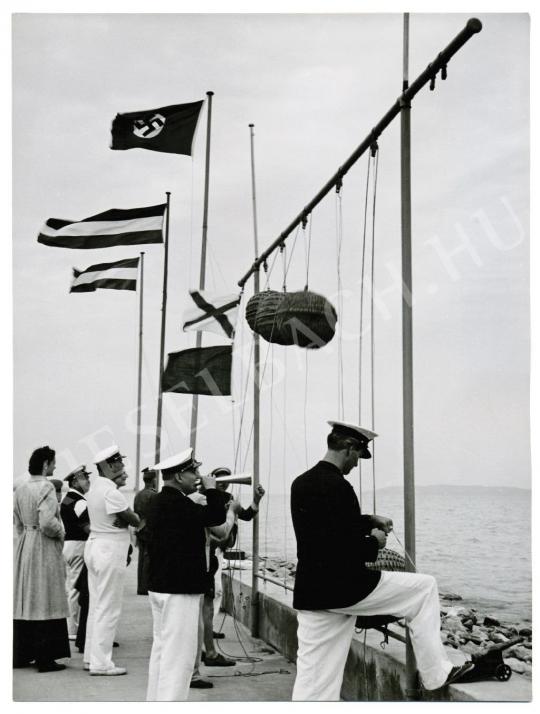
[(333, 585), (74, 512), (178, 573), (105, 556)]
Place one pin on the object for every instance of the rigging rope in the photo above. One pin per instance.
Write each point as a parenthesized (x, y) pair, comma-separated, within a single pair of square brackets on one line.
[(372, 285), (360, 344), (339, 239)]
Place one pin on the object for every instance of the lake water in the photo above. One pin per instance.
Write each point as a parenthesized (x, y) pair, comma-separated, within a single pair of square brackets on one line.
[(475, 540)]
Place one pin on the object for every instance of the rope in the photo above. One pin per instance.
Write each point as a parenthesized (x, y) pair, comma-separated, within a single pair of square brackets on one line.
[(305, 406), (308, 250), (292, 251), (190, 260), (403, 548), (339, 239), (376, 161), (284, 459), (363, 264)]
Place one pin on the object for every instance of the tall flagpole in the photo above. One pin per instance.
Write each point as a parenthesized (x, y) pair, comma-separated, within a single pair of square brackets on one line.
[(407, 339), (139, 375), (163, 322), (202, 276), (256, 414)]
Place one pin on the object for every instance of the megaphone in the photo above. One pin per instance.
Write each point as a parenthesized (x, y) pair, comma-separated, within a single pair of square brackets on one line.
[(235, 478)]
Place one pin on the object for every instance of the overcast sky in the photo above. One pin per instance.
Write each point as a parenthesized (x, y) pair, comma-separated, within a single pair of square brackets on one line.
[(313, 85)]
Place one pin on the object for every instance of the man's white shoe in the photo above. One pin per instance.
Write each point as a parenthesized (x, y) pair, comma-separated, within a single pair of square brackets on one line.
[(86, 666), (113, 672)]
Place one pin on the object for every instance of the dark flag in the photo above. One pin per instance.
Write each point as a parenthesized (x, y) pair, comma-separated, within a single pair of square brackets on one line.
[(200, 370), (131, 226), (120, 275), (169, 129)]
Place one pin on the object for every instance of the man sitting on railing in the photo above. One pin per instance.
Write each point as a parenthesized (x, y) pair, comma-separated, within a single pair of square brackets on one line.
[(333, 585)]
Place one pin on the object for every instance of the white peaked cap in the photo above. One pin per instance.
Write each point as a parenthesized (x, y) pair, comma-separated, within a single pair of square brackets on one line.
[(76, 470), (352, 430), (107, 454), (182, 459)]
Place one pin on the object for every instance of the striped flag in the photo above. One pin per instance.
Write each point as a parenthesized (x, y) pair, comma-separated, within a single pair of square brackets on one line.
[(131, 226), (212, 313), (120, 275)]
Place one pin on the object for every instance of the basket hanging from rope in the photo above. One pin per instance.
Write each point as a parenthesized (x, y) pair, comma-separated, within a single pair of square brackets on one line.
[(307, 319), (261, 315)]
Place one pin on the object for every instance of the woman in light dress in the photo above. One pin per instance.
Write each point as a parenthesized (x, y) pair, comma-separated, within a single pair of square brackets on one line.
[(40, 605)]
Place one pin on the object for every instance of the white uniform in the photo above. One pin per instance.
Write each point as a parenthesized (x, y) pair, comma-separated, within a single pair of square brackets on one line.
[(105, 556), (324, 636), (175, 624)]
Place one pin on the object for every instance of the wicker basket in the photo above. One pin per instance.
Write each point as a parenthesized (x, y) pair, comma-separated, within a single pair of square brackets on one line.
[(387, 559), (261, 313), (251, 309), (307, 319)]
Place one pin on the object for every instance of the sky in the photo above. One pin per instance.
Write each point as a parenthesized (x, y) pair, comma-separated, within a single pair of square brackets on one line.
[(313, 85)]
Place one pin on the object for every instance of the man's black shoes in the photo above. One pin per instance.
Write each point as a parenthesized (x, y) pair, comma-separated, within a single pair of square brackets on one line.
[(200, 684), (457, 673)]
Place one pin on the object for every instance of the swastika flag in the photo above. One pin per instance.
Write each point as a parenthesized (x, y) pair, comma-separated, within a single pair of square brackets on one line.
[(169, 129)]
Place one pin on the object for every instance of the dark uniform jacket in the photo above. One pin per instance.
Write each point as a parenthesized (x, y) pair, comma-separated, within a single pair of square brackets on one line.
[(76, 526), (176, 540), (333, 541)]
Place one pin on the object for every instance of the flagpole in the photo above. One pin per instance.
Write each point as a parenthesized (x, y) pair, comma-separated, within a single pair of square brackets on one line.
[(256, 413), (407, 340), (139, 376), (202, 276), (163, 322)]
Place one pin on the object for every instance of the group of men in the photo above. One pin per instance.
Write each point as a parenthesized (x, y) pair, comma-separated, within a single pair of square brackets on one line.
[(181, 532), (332, 587)]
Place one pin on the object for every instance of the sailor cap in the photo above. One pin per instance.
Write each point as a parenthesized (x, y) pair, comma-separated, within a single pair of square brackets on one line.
[(107, 454), (352, 430), (181, 462), (221, 471), (75, 472)]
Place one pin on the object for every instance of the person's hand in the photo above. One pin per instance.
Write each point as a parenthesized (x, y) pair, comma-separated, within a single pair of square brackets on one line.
[(208, 482), (259, 493), (382, 522), (380, 536), (119, 523), (235, 506)]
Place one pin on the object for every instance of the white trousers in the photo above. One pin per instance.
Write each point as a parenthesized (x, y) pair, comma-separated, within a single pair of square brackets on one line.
[(106, 560), (175, 624), (74, 558), (218, 583), (324, 636)]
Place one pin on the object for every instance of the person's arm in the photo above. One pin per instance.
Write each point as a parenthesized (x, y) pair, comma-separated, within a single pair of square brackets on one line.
[(222, 532), (127, 518), (49, 523), (213, 514), (247, 514), (116, 505)]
